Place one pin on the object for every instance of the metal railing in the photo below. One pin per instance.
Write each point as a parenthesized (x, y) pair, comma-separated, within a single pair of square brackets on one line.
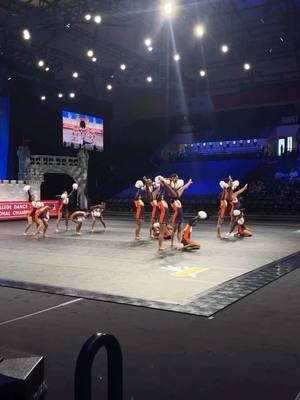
[(83, 371)]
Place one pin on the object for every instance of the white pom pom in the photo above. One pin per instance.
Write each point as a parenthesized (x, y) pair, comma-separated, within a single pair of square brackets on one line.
[(39, 204), (64, 196), (179, 184), (156, 225), (235, 184), (75, 186), (241, 221), (139, 184), (157, 179), (155, 185), (202, 214), (26, 188), (167, 181), (223, 184), (236, 213)]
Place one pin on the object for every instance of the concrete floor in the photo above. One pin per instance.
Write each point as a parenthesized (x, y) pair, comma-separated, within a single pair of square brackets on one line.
[(113, 264)]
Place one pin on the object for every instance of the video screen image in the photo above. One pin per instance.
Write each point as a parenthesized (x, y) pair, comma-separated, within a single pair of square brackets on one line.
[(82, 130)]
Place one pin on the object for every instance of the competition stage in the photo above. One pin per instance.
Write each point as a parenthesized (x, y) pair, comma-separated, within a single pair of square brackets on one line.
[(111, 266)]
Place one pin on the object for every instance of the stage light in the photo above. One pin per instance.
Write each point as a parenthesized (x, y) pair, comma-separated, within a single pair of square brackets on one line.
[(60, 95), (43, 98), (221, 143), (177, 57), (123, 67), (109, 87), (47, 69), (72, 95), (149, 79), (234, 142), (248, 141), (90, 53), (75, 75), (98, 19), (168, 9), (148, 42), (202, 73), (41, 63), (150, 48), (224, 48), (26, 34), (9, 78), (94, 59), (87, 17), (247, 66), (199, 30)]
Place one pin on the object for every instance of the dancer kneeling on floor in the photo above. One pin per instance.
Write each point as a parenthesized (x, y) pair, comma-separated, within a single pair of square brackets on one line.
[(239, 222), (187, 242), (42, 216), (78, 217)]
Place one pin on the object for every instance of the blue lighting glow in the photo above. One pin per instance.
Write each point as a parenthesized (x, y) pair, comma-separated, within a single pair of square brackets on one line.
[(4, 135)]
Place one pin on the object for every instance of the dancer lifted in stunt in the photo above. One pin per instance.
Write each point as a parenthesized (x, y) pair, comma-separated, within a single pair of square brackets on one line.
[(78, 217), (187, 242), (140, 209), (63, 211), (42, 216), (33, 206), (97, 213), (226, 196)]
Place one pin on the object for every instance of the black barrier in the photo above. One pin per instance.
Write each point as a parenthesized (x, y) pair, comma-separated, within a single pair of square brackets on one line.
[(83, 372)]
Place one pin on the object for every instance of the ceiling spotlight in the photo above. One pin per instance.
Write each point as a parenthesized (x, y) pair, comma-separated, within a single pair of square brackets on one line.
[(177, 57), (168, 9), (72, 95), (202, 73), (90, 53), (150, 48), (26, 34), (148, 42), (123, 67), (247, 66), (43, 98), (9, 78), (224, 48), (98, 19), (87, 17), (60, 95), (149, 79), (199, 30), (75, 75), (47, 69), (94, 59), (41, 63), (109, 87)]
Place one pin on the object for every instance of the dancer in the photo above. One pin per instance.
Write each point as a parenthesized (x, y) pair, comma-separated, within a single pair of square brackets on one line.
[(78, 217), (187, 242), (42, 216), (140, 210), (63, 211), (177, 219), (235, 204), (239, 222), (33, 206), (97, 213), (152, 190), (168, 231), (163, 218), (226, 196)]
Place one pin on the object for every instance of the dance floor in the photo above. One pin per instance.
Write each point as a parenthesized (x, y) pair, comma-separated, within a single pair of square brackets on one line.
[(111, 266)]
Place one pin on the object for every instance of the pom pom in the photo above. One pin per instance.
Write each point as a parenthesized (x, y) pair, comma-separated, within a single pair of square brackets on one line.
[(223, 184), (39, 204), (235, 184), (241, 221), (236, 213), (75, 186), (26, 188), (64, 196), (157, 179), (179, 184), (202, 214), (156, 225), (80, 219), (139, 184)]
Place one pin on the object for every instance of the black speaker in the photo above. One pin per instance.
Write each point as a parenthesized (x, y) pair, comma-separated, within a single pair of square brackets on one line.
[(21, 376)]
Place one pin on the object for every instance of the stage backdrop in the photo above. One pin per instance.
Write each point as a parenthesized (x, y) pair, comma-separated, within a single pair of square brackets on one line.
[(13, 210)]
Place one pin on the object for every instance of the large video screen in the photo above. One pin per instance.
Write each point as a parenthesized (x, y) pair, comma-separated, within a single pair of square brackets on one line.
[(82, 130)]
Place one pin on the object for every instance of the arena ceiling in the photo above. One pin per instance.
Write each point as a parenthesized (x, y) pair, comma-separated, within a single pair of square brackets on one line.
[(263, 33)]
